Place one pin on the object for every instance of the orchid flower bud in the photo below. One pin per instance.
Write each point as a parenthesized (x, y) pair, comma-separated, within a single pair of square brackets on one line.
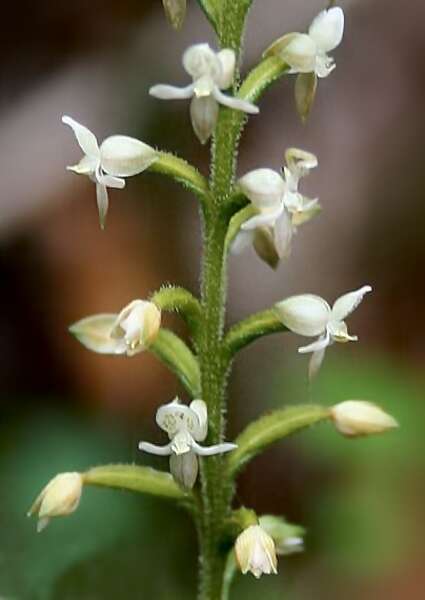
[(131, 331), (175, 11), (355, 418), (255, 551), (59, 498)]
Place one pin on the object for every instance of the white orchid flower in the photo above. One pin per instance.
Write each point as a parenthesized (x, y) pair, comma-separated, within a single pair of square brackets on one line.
[(280, 206), (212, 72), (256, 552), (185, 426), (311, 315), (308, 52), (118, 156), (129, 332)]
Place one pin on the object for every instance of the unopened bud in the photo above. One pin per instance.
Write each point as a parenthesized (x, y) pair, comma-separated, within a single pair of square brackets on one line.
[(175, 11), (255, 551), (355, 418), (60, 497)]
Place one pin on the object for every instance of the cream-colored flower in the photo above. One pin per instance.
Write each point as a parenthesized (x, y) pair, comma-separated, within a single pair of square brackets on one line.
[(211, 72), (306, 53), (255, 551), (129, 332), (312, 316), (185, 426), (60, 497), (355, 418), (280, 207), (118, 156)]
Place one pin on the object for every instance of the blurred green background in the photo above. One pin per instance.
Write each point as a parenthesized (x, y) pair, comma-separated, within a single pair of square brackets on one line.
[(62, 408)]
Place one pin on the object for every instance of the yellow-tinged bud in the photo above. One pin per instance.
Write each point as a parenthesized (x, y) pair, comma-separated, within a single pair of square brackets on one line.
[(175, 11), (137, 326), (60, 497), (355, 418), (255, 551)]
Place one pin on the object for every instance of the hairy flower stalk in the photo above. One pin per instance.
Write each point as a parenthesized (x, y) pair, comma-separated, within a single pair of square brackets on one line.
[(262, 207)]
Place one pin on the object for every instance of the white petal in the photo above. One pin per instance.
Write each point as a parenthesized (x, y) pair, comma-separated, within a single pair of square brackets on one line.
[(324, 65), (345, 305), (111, 181), (300, 53), (102, 203), (264, 187), (182, 442), (235, 103), (171, 92), (204, 115), (242, 241), (200, 59), (306, 314), (94, 333), (124, 156), (227, 60), (315, 363), (85, 138), (154, 449), (211, 450), (200, 409), (327, 28), (323, 342), (339, 333), (169, 417), (267, 217), (86, 166), (283, 234)]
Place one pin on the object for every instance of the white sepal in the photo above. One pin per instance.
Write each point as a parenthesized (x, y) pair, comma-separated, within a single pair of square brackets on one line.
[(264, 187), (345, 304), (305, 314), (327, 29), (85, 138), (255, 552), (124, 156), (300, 53), (227, 60), (355, 418), (94, 333)]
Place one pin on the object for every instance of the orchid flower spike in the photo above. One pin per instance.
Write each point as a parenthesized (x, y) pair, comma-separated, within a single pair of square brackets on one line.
[(311, 315), (212, 72), (280, 207), (131, 331), (308, 52), (60, 497), (256, 552), (118, 156), (185, 426)]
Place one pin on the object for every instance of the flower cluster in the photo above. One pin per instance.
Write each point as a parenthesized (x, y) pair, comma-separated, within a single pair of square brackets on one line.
[(273, 208)]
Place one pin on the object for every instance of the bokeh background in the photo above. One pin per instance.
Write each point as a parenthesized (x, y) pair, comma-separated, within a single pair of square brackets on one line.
[(63, 408)]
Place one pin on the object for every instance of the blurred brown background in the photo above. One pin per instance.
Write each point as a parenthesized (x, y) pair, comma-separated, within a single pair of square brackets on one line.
[(63, 408)]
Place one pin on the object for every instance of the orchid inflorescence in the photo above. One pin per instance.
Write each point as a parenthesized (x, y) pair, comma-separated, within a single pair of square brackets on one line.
[(263, 208)]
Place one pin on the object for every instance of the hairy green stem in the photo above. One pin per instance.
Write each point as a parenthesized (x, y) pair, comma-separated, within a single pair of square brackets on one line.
[(212, 359)]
